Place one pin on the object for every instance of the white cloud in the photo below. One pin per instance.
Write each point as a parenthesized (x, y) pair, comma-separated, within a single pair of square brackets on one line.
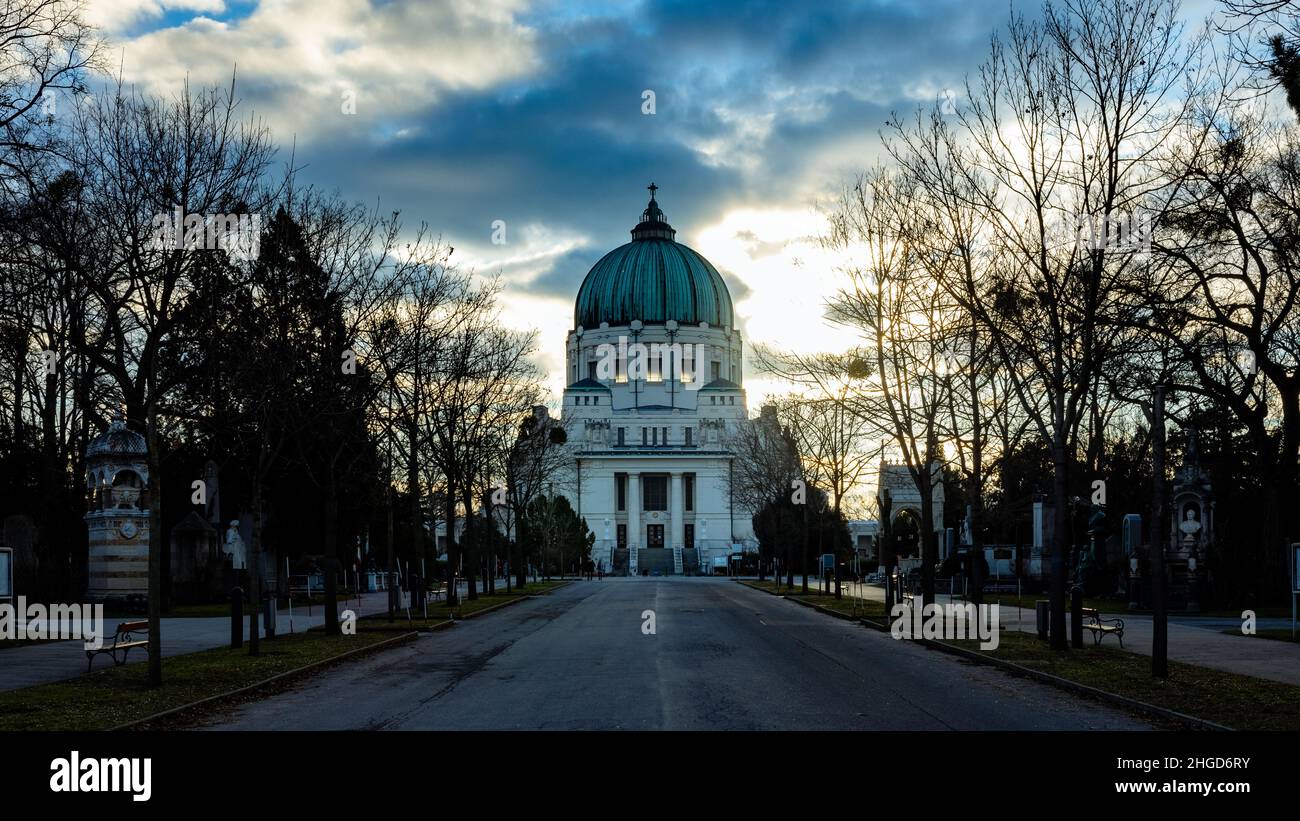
[(114, 16), (297, 59)]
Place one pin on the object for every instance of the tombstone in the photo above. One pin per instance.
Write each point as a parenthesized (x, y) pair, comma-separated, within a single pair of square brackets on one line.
[(1192, 528), (19, 534), (1132, 533), (1044, 528), (6, 575), (212, 483), (196, 561)]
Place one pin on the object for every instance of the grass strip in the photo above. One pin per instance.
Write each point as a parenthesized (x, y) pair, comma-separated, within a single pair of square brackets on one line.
[(112, 696)]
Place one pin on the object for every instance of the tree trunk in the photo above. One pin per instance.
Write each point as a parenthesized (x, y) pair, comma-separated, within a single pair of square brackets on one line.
[(453, 554), (470, 553), (155, 551), (255, 559), (803, 558), (976, 481), (929, 538), (413, 486), (1060, 540), (1159, 616), (330, 562), (521, 529), (789, 551)]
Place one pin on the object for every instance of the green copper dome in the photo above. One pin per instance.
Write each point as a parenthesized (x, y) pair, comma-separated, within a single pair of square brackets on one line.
[(653, 279)]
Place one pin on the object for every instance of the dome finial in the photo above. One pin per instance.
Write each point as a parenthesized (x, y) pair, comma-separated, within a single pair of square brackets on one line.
[(653, 224)]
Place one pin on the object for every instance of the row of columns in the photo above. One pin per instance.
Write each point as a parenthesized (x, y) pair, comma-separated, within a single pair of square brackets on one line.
[(676, 510)]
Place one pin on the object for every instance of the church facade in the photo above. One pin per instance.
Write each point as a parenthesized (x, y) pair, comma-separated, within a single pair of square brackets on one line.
[(655, 390)]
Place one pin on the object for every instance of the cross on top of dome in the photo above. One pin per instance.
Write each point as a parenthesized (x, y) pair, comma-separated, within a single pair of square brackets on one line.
[(653, 224)]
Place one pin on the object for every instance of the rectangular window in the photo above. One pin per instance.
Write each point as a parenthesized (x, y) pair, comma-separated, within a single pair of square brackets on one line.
[(591, 370), (687, 433), (643, 437), (688, 536), (620, 490), (665, 436), (655, 489), (688, 491), (622, 537), (654, 535), (654, 436), (622, 437), (717, 370)]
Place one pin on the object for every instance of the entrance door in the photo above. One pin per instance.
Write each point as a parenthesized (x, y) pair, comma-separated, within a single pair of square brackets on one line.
[(654, 535)]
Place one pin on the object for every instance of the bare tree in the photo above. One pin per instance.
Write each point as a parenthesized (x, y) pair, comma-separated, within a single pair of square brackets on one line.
[(1063, 129), (139, 158)]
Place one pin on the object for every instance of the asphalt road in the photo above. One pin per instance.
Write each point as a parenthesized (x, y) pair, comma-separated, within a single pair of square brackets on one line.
[(723, 657)]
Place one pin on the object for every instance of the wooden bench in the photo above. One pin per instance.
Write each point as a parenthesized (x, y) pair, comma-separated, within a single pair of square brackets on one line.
[(1101, 627), (124, 640)]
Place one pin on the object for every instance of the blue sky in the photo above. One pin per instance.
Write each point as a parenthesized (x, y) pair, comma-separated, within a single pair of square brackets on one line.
[(471, 111)]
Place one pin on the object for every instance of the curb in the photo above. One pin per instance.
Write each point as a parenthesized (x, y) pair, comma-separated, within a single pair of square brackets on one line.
[(297, 671), (1082, 689), (1029, 672)]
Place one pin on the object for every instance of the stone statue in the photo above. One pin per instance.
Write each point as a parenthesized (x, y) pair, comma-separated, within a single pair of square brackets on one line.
[(1190, 526), (234, 547)]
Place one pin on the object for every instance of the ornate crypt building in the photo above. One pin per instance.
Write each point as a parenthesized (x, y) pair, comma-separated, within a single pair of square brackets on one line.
[(654, 389), (117, 478)]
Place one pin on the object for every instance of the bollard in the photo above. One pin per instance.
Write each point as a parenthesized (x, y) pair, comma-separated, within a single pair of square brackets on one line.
[(1076, 617), (268, 617), (236, 618)]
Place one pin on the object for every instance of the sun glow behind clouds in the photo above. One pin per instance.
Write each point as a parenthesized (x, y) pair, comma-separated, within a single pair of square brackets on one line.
[(777, 253)]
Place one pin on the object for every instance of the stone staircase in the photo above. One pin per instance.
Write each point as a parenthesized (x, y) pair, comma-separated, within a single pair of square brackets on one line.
[(653, 559), (690, 561)]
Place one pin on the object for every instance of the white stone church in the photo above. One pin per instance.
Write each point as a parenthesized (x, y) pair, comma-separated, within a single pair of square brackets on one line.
[(654, 389)]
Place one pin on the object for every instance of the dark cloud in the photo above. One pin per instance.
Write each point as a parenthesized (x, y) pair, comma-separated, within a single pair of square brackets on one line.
[(570, 146)]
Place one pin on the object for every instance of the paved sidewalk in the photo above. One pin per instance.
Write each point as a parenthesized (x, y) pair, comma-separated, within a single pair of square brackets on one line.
[(55, 661), (1198, 640)]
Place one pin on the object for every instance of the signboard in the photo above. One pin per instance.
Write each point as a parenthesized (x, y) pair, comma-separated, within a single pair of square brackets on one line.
[(6, 573), (828, 561)]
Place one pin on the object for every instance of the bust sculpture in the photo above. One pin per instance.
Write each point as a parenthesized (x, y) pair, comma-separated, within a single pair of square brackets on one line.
[(1190, 526), (234, 547)]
